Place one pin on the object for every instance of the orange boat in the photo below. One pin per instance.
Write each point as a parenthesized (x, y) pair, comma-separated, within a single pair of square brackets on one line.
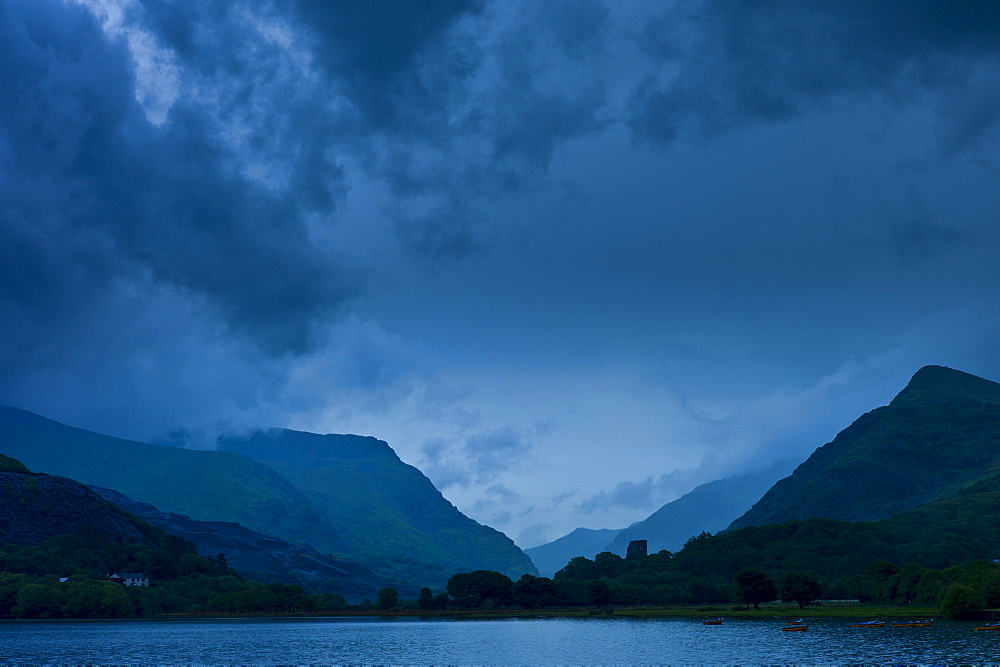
[(795, 628), (913, 624), (712, 621), (989, 626), (870, 624)]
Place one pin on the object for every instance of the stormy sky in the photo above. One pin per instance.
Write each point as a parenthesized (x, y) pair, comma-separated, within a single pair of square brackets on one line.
[(570, 259)]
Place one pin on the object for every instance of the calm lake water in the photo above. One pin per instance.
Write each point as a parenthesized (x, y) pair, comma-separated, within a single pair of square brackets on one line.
[(502, 641)]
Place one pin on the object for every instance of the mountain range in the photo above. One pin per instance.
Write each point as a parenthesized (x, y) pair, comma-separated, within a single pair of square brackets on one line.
[(935, 449), (709, 507), (348, 500), (919, 479)]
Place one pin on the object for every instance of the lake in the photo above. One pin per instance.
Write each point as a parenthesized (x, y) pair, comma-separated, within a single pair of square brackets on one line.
[(408, 640)]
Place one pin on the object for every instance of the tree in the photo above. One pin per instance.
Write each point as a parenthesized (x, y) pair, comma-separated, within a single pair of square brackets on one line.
[(531, 592), (754, 586), (387, 598), (598, 593), (426, 599), (961, 601), (473, 589), (801, 588)]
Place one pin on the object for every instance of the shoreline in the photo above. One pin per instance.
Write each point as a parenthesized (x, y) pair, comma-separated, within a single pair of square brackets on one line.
[(853, 612)]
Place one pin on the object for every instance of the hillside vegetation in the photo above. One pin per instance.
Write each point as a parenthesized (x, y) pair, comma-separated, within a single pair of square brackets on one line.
[(389, 512), (217, 486), (348, 496), (940, 433)]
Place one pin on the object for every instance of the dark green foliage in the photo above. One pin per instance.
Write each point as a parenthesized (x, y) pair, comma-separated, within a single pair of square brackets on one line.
[(30, 586), (961, 601), (753, 586), (426, 599), (9, 464), (800, 588), (535, 592), (387, 598), (481, 588), (598, 593)]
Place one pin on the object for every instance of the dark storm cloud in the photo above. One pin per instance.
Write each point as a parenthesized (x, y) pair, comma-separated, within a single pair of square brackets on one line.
[(372, 45), (84, 162), (479, 113), (732, 64)]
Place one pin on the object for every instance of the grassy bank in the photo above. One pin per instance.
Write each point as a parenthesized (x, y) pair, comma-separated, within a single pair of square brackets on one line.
[(695, 611)]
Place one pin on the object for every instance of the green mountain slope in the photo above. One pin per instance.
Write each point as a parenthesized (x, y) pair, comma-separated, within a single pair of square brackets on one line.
[(259, 557), (35, 507), (213, 486), (390, 513), (941, 432)]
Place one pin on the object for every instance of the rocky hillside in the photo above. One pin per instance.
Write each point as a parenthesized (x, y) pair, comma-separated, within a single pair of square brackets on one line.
[(939, 434), (35, 507)]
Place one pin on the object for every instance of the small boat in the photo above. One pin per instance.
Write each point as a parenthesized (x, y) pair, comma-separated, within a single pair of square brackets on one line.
[(914, 624), (988, 626), (870, 624), (795, 628), (712, 621), (797, 621)]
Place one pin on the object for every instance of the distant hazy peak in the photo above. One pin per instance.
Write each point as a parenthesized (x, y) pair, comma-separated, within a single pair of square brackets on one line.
[(936, 385)]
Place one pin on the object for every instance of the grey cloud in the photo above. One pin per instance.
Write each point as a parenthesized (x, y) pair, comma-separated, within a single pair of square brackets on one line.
[(503, 493), (729, 64), (534, 535), (648, 493), (374, 46), (491, 512), (166, 198), (440, 467), (560, 498), (632, 495), (478, 459), (491, 453)]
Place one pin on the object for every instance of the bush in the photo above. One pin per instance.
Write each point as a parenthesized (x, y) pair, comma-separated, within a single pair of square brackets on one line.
[(961, 601)]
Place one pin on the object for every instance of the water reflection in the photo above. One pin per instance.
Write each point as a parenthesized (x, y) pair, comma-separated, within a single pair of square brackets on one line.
[(510, 641)]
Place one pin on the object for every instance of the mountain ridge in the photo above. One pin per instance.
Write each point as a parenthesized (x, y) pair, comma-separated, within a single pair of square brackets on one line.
[(420, 538), (362, 472), (941, 430)]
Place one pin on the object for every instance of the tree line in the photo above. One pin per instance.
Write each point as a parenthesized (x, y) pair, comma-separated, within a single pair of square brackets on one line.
[(945, 557), (184, 582)]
